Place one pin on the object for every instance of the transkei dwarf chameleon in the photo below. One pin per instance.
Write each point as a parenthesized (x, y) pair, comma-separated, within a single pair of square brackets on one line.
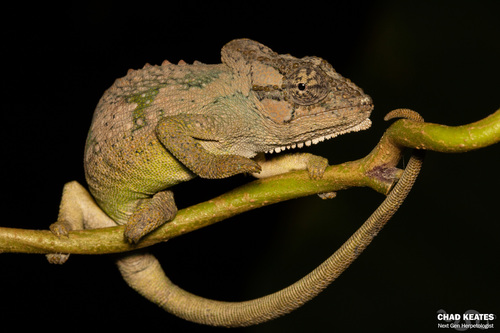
[(163, 125)]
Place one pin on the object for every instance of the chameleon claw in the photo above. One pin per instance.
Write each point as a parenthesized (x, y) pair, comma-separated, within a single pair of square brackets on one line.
[(327, 195), (57, 258), (59, 229), (133, 235), (151, 214), (316, 166)]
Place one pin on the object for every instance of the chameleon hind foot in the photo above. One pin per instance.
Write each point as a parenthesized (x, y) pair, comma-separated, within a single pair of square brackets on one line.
[(77, 211), (57, 258), (60, 229), (150, 214)]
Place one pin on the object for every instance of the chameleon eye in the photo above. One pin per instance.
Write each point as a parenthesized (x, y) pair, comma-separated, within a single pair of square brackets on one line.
[(307, 85)]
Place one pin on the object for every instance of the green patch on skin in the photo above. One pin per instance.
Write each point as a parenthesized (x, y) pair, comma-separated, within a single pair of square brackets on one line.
[(143, 100), (198, 81), (146, 98)]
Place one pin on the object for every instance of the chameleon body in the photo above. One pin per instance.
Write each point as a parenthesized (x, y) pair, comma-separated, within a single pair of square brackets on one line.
[(163, 125)]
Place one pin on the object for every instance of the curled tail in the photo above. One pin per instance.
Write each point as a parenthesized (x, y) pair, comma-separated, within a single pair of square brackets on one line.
[(143, 272)]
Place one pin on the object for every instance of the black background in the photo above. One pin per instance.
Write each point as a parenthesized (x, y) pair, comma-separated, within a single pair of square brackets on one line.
[(440, 251)]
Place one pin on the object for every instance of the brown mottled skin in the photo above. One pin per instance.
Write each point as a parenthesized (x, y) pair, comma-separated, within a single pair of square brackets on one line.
[(163, 125)]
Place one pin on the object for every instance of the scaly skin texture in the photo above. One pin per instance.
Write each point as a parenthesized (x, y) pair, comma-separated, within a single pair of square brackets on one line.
[(163, 125)]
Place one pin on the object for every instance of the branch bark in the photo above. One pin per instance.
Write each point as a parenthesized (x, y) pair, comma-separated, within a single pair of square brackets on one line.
[(377, 170)]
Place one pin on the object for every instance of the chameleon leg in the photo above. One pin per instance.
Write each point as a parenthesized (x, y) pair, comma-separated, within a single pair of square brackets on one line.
[(178, 133), (150, 214), (315, 165), (70, 213), (77, 211)]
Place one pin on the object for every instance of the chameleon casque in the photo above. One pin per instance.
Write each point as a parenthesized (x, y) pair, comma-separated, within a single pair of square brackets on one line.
[(163, 125)]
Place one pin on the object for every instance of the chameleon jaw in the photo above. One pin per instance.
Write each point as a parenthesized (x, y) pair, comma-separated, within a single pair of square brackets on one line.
[(359, 127)]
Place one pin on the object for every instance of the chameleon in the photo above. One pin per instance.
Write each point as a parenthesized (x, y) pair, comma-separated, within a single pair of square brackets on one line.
[(163, 125)]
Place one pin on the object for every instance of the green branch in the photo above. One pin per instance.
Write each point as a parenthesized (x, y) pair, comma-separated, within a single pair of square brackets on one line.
[(377, 170), (447, 139)]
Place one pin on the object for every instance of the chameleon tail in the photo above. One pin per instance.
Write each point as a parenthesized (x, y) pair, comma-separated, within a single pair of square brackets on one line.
[(143, 272)]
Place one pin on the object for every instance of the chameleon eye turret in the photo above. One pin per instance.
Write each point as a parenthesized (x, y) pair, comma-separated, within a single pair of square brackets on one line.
[(307, 85)]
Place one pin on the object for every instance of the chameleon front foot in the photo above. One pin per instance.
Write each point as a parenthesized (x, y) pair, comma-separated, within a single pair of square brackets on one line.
[(316, 165)]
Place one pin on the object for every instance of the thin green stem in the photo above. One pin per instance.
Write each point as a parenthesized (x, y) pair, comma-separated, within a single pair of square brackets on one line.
[(447, 139)]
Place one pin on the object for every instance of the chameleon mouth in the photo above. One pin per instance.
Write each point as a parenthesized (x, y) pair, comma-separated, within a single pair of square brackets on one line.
[(365, 124)]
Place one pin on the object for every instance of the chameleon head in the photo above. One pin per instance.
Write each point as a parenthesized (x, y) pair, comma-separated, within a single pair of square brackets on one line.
[(303, 101)]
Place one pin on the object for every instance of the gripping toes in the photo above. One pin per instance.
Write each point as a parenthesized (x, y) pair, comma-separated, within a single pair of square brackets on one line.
[(149, 215), (60, 229), (223, 166), (247, 165), (57, 258), (316, 165)]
